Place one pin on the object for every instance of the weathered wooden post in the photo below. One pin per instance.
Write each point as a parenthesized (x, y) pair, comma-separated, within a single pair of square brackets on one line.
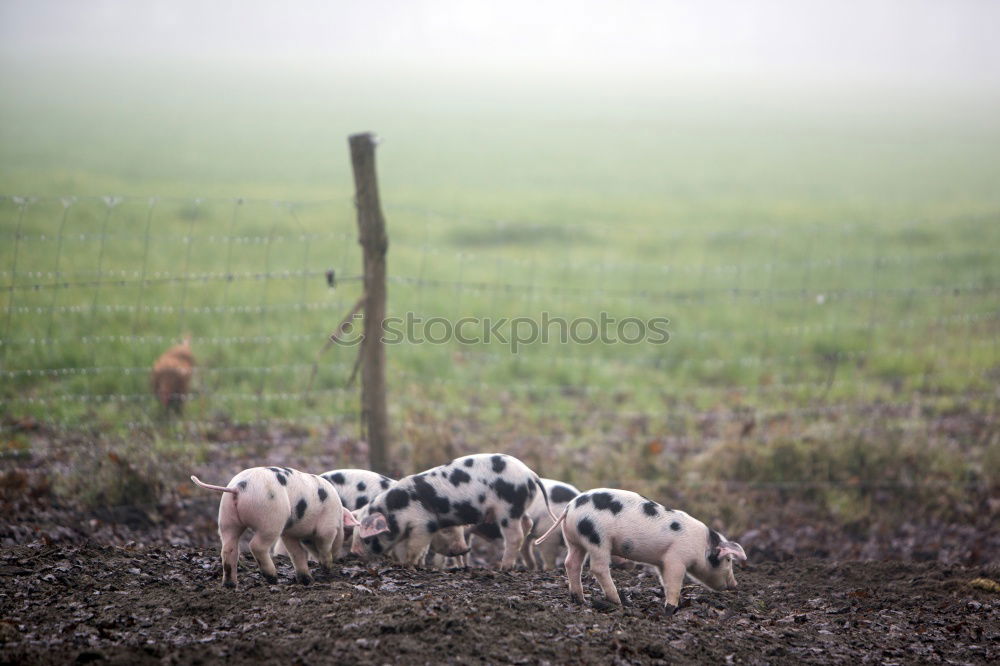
[(375, 244)]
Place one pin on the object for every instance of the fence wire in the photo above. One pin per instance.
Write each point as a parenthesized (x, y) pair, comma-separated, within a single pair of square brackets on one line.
[(802, 322)]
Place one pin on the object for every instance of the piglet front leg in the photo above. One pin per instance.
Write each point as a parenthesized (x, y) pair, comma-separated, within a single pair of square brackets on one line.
[(415, 551), (672, 576)]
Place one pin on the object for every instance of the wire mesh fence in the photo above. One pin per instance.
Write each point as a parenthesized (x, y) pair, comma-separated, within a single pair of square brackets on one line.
[(806, 322)]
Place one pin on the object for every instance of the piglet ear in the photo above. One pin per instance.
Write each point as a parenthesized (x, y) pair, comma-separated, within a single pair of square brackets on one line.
[(373, 524), (349, 519), (732, 548)]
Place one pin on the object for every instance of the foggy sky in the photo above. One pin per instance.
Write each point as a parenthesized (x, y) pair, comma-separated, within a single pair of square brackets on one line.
[(900, 42)]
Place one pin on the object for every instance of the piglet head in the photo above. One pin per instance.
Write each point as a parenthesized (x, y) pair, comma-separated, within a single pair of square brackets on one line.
[(729, 552), (723, 556), (731, 549), (373, 525), (716, 570)]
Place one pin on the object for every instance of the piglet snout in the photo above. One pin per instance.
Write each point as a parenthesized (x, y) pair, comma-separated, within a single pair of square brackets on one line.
[(731, 581)]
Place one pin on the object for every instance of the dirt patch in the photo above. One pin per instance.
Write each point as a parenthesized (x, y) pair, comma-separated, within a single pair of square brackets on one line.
[(165, 605)]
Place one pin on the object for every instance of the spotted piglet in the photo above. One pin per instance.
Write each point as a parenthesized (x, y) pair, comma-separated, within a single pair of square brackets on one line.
[(354, 487), (538, 513), (483, 488), (606, 522), (560, 494), (303, 509), (357, 487)]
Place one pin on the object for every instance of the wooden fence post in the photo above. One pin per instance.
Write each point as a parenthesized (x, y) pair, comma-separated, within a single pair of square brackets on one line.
[(375, 244)]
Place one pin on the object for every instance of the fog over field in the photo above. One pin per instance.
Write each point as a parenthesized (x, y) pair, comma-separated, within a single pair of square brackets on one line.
[(896, 43)]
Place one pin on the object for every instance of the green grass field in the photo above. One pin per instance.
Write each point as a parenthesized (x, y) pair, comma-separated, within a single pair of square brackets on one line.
[(813, 251)]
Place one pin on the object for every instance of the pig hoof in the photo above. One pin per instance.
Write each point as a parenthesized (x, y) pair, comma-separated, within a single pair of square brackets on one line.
[(305, 579), (601, 604), (576, 598), (669, 609), (230, 584), (271, 580)]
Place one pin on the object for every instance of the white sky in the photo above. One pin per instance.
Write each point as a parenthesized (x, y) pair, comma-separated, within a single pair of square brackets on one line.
[(902, 42)]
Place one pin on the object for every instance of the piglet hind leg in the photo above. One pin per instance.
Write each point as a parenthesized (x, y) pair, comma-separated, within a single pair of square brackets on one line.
[(260, 546), (528, 545), (600, 566), (528, 555), (550, 552), (230, 535), (574, 571), (300, 559)]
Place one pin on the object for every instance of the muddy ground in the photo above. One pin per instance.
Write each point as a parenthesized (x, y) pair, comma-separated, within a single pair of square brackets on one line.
[(135, 605), (139, 582)]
